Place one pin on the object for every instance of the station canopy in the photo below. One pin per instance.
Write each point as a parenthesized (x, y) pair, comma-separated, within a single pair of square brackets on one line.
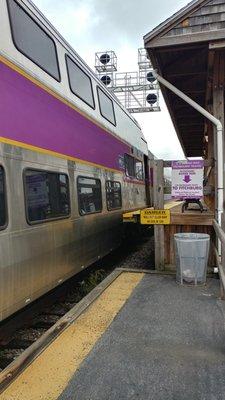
[(183, 50)]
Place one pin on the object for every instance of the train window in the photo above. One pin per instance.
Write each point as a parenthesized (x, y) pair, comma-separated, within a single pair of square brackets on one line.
[(113, 195), (89, 195), (80, 82), (106, 107), (31, 40), (3, 211), (129, 165), (47, 195), (133, 167), (139, 170)]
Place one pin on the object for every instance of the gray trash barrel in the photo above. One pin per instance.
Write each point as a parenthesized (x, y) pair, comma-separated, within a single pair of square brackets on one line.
[(191, 252)]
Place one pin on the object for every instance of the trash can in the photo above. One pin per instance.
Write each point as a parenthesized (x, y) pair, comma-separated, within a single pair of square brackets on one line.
[(191, 252)]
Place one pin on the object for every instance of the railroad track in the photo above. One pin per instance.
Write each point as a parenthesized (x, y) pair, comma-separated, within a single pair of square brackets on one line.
[(49, 313), (27, 326)]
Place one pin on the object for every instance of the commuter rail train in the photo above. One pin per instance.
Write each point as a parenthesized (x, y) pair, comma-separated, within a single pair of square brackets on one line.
[(72, 160)]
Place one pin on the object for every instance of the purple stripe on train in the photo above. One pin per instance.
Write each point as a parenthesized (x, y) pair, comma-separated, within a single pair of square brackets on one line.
[(31, 115)]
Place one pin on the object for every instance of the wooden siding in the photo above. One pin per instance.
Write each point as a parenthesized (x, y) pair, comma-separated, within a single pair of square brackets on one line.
[(210, 17)]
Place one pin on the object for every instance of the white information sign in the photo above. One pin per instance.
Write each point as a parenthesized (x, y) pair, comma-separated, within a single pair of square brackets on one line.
[(187, 179)]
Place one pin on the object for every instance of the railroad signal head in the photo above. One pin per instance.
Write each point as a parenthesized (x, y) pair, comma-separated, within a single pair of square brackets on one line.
[(150, 77), (151, 98), (106, 79), (105, 58)]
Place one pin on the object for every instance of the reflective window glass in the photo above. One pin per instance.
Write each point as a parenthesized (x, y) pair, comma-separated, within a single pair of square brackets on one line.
[(3, 211), (89, 195), (129, 165), (31, 40), (133, 167), (80, 82), (139, 170), (113, 195), (46, 195), (106, 107)]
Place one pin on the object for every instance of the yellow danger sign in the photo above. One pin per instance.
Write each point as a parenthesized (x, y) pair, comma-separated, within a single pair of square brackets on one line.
[(155, 217)]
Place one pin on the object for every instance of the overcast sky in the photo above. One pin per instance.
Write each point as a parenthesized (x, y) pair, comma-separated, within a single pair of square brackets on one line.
[(119, 25)]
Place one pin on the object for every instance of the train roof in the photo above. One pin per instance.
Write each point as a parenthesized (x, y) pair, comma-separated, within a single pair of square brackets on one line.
[(71, 50)]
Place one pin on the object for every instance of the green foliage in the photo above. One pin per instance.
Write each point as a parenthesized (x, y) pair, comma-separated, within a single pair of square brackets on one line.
[(91, 281)]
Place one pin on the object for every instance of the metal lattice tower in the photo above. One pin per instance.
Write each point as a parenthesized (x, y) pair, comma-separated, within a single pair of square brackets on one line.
[(138, 91)]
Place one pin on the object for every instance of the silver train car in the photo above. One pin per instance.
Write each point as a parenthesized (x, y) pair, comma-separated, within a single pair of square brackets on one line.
[(72, 160)]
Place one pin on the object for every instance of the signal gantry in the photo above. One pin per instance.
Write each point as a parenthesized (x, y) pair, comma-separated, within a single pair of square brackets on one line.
[(138, 91)]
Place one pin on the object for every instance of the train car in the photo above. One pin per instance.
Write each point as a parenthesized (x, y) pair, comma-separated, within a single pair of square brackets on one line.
[(72, 160)]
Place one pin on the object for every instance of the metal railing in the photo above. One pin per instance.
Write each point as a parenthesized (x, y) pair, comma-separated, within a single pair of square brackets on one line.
[(220, 259)]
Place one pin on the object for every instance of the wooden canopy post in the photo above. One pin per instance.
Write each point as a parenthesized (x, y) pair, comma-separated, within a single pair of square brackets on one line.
[(218, 111), (158, 195), (218, 96)]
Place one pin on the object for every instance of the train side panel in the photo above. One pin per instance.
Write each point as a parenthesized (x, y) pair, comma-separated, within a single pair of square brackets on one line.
[(45, 127), (36, 258)]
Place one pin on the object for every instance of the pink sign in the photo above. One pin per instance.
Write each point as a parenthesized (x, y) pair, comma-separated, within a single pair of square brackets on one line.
[(187, 179)]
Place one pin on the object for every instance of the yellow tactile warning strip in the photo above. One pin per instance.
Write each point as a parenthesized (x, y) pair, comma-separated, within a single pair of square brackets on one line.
[(48, 375), (171, 204)]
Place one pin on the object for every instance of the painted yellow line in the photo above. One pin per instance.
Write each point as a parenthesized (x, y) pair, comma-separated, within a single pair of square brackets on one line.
[(54, 153), (49, 374)]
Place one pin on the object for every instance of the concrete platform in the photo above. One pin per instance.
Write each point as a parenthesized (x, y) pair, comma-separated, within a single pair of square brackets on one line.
[(163, 342), (168, 342)]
